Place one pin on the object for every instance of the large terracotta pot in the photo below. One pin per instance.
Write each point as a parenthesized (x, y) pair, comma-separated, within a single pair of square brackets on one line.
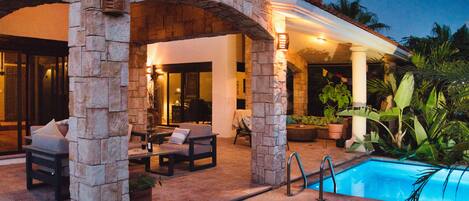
[(335, 131), (144, 195)]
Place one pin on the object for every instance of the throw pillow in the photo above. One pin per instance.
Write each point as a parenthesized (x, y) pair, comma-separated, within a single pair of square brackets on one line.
[(179, 136), (49, 129)]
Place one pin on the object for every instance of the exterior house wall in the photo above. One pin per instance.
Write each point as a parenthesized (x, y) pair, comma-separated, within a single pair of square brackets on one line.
[(49, 21), (300, 83), (221, 51)]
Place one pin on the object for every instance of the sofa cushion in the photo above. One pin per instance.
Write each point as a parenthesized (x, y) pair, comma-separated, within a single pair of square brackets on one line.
[(179, 136), (183, 149), (198, 130), (53, 143), (49, 129), (50, 138)]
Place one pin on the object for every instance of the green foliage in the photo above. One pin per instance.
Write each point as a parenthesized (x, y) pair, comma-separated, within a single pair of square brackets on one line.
[(336, 97), (307, 120), (404, 92), (359, 13), (457, 43), (402, 99), (141, 182)]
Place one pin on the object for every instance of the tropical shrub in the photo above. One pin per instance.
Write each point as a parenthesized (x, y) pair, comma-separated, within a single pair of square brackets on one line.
[(433, 137), (402, 99), (306, 120), (336, 97)]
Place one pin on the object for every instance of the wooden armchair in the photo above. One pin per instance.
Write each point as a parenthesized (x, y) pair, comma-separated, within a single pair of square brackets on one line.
[(201, 143), (50, 155)]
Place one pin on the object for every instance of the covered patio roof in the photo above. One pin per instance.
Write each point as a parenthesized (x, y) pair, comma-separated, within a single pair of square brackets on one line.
[(321, 35)]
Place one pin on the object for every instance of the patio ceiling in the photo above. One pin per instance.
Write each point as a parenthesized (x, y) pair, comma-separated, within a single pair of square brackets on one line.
[(320, 36)]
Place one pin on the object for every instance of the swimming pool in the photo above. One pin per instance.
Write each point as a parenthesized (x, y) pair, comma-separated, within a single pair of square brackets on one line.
[(392, 181)]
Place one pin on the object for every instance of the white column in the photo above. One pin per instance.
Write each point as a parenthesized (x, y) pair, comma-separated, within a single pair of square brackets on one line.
[(359, 69)]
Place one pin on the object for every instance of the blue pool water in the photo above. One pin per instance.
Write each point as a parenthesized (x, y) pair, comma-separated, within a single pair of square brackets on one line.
[(392, 181)]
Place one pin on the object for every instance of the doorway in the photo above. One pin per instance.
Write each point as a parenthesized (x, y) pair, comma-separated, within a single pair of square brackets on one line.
[(33, 91), (188, 93)]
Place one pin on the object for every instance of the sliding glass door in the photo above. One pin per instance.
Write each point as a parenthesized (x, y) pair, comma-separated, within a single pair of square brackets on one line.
[(12, 101), (189, 93), (33, 90)]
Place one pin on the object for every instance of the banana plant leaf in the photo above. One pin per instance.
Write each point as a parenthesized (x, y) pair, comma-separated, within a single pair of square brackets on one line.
[(361, 112), (404, 92), (390, 115), (420, 134)]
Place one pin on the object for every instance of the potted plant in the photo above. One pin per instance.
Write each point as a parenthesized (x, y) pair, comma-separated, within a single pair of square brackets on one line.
[(140, 187), (336, 97)]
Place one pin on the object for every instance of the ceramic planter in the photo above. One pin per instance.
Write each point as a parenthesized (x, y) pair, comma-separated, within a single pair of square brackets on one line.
[(335, 131)]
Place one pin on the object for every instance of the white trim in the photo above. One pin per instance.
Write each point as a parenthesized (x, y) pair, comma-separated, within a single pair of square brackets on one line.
[(339, 27)]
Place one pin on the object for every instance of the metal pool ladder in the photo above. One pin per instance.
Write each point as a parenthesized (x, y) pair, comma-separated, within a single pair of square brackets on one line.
[(321, 177), (300, 165)]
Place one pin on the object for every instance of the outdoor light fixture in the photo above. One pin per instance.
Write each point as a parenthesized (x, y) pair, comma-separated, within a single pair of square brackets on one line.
[(154, 70), (149, 70), (282, 41), (113, 7)]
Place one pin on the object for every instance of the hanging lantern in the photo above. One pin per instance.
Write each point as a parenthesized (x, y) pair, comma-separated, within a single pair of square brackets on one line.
[(113, 7)]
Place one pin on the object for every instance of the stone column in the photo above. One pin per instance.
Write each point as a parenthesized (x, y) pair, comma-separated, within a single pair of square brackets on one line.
[(269, 105), (248, 67), (359, 69), (138, 95), (98, 72)]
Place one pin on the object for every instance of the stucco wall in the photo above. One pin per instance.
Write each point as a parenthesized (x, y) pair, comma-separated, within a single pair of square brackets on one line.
[(49, 21), (221, 51)]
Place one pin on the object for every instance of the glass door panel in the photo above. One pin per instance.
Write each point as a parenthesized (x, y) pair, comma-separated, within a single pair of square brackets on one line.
[(12, 74), (175, 108)]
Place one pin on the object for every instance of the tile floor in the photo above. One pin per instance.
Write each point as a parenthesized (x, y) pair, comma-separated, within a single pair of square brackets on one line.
[(230, 180)]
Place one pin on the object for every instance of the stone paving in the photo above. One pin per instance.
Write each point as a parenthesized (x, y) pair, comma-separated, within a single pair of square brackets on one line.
[(230, 180)]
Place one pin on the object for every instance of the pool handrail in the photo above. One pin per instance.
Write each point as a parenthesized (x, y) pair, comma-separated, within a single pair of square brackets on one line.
[(300, 165), (321, 176)]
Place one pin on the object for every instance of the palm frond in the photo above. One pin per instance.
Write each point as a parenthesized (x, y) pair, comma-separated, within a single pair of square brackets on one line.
[(421, 182)]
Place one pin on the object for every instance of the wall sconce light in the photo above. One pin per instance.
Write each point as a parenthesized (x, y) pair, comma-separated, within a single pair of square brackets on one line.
[(154, 70), (283, 41), (149, 70), (113, 7)]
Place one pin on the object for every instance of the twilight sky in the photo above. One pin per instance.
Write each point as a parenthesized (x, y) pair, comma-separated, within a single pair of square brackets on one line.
[(416, 17)]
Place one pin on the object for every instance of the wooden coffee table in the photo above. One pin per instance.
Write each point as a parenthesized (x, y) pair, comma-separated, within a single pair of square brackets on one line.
[(145, 156)]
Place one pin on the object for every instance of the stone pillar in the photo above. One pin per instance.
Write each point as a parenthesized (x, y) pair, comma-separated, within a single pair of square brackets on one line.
[(359, 69), (269, 109), (299, 66), (248, 68), (138, 94), (269, 105), (98, 72)]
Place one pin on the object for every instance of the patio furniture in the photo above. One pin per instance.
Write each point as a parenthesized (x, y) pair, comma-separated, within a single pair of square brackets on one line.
[(200, 144), (145, 156), (50, 154), (244, 130)]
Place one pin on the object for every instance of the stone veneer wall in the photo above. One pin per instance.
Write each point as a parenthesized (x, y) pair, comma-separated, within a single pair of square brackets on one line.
[(98, 72), (248, 69), (269, 105), (300, 83), (165, 20), (138, 95)]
